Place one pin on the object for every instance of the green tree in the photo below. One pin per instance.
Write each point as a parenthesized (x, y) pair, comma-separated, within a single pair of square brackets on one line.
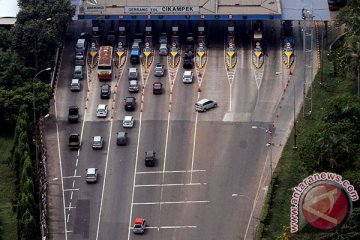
[(28, 226), (5, 40), (33, 33)]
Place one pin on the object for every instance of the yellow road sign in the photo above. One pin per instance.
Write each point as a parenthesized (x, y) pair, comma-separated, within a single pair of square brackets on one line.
[(288, 53), (93, 53), (258, 53), (147, 53), (174, 53), (120, 53), (231, 53), (200, 53)]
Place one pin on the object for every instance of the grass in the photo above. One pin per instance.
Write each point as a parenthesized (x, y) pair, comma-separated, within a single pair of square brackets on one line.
[(290, 170), (8, 225)]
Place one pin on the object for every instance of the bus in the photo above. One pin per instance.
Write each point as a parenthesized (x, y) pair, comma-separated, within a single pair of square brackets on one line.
[(104, 69)]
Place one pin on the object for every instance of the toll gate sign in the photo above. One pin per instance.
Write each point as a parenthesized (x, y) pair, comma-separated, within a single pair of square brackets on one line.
[(162, 10)]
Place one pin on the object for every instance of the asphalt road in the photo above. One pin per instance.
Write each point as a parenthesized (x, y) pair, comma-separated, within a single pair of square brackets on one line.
[(209, 164)]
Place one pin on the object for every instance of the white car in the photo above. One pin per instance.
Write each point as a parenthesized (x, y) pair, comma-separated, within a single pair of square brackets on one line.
[(188, 77), (102, 110), (91, 175), (128, 122), (98, 142), (205, 104)]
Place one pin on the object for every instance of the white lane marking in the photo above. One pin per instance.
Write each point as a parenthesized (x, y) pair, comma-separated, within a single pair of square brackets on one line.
[(73, 183), (165, 154), (180, 171), (61, 173), (134, 179), (69, 231), (71, 189), (194, 144), (71, 196), (255, 201), (67, 219), (103, 187), (169, 227), (170, 184), (175, 227), (70, 208), (71, 177), (174, 202), (77, 161), (75, 172)]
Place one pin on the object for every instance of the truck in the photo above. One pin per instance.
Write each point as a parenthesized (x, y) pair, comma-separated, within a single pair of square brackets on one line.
[(74, 141), (73, 116)]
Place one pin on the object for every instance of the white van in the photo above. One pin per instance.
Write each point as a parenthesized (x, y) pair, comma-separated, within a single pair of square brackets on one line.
[(163, 50)]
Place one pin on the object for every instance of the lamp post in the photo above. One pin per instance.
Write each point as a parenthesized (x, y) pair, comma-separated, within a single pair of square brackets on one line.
[(36, 133), (34, 114), (269, 144)]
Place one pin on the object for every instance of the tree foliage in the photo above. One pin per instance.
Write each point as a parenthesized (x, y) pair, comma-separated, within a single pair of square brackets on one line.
[(16, 83), (40, 28), (333, 144)]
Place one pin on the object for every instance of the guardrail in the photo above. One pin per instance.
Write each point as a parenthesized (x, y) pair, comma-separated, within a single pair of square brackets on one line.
[(43, 184)]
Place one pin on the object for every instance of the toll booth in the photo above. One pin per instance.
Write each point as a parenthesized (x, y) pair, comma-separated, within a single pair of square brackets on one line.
[(122, 33), (148, 28), (175, 29)]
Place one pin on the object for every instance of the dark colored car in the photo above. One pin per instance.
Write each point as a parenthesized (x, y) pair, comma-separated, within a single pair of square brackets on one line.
[(130, 103), (150, 158), (105, 91), (157, 88), (74, 141), (73, 116), (188, 63), (121, 138)]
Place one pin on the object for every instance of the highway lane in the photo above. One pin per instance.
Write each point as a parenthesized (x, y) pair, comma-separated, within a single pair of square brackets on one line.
[(272, 86), (114, 221), (153, 138), (117, 192), (63, 99)]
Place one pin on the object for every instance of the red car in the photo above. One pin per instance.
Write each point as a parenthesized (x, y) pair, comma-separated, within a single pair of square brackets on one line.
[(139, 226), (157, 88)]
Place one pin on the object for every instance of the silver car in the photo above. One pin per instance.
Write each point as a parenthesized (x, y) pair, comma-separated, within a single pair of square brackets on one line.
[(91, 175), (159, 70), (98, 142), (102, 110), (128, 122), (205, 104), (133, 86)]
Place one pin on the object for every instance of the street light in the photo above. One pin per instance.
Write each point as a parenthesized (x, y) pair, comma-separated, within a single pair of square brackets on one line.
[(269, 144), (34, 113), (36, 131)]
